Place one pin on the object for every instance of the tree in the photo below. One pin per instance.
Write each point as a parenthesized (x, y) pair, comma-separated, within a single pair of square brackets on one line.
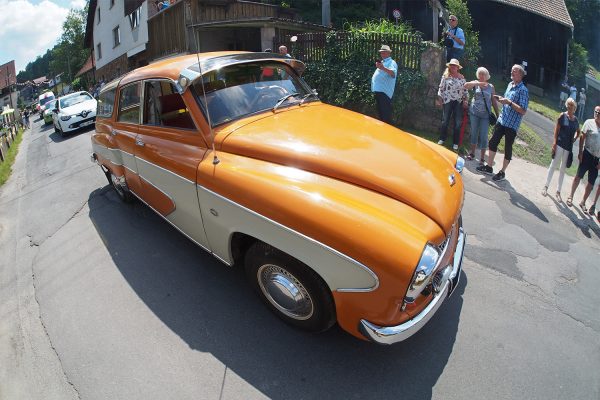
[(472, 47), (585, 15), (578, 62), (69, 54)]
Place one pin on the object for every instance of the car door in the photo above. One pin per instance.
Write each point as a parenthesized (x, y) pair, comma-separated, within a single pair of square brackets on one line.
[(169, 148), (125, 130)]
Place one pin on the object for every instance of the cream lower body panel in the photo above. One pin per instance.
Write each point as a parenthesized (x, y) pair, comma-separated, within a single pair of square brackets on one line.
[(223, 218)]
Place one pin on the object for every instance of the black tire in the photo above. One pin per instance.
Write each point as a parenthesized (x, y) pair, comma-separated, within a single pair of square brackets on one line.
[(267, 268), (123, 194), (57, 130)]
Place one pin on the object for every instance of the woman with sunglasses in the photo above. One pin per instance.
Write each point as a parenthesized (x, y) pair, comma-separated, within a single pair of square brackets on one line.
[(589, 155)]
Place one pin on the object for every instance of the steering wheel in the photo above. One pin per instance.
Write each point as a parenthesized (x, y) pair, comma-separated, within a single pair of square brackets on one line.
[(267, 97)]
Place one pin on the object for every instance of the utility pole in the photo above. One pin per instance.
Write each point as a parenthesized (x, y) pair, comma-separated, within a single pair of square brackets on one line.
[(325, 13)]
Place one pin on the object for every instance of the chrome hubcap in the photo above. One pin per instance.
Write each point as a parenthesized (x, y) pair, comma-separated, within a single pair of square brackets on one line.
[(116, 184), (285, 292)]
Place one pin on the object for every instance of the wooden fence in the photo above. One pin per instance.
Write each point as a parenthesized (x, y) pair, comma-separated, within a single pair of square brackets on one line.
[(311, 47), (7, 137)]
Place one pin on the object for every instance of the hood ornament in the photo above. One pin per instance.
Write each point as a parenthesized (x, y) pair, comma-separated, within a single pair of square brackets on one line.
[(451, 179)]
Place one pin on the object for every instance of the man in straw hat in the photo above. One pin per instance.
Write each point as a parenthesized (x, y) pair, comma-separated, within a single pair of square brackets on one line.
[(514, 106), (383, 83)]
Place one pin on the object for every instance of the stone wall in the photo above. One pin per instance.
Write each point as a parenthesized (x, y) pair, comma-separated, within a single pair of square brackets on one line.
[(423, 114)]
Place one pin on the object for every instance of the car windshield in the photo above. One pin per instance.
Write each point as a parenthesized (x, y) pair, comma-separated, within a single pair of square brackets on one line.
[(45, 100), (75, 99), (243, 89)]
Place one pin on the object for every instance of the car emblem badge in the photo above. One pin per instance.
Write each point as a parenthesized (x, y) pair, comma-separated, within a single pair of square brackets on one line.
[(452, 179), (84, 114)]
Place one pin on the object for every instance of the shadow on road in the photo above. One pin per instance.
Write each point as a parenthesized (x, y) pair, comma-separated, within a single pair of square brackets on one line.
[(516, 198), (211, 308), (57, 137), (584, 222)]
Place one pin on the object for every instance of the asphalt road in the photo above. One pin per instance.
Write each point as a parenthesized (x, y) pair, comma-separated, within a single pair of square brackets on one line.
[(104, 300)]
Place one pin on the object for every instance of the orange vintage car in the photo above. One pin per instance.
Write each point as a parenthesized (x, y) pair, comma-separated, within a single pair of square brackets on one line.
[(334, 216)]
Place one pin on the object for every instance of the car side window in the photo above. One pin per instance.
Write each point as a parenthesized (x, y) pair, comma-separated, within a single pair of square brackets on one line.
[(164, 106), (129, 104), (106, 103)]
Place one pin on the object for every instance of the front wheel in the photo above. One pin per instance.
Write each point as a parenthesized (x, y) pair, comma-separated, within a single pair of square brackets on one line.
[(293, 291)]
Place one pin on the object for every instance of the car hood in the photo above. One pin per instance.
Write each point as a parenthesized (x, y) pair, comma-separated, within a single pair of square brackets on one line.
[(357, 149), (89, 105)]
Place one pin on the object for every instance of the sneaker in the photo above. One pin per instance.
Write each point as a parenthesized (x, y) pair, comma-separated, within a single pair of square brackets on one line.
[(499, 176), (440, 142), (592, 210), (486, 169), (454, 147)]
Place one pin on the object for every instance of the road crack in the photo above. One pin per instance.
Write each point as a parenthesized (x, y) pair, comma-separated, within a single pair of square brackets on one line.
[(45, 328)]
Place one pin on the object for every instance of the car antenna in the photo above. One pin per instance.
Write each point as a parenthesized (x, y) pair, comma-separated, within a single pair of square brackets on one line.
[(215, 160)]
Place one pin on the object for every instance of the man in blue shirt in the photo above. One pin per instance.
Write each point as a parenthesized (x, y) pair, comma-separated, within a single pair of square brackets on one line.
[(458, 37), (515, 103), (383, 83)]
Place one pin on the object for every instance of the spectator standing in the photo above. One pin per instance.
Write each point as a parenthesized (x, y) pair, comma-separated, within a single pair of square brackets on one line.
[(573, 92), (482, 103), (452, 97), (581, 104), (515, 103), (589, 154), (566, 132), (284, 51), (457, 35), (383, 83)]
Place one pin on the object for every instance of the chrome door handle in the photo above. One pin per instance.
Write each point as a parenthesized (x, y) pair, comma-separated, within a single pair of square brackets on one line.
[(138, 142), (113, 132)]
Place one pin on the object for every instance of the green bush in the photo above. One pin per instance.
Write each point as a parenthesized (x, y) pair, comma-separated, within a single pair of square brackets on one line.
[(578, 63), (343, 76)]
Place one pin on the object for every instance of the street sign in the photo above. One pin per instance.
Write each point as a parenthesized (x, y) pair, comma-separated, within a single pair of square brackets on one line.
[(396, 13)]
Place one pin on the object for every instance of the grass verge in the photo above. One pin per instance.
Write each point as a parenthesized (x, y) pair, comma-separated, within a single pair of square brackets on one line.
[(6, 165), (529, 146)]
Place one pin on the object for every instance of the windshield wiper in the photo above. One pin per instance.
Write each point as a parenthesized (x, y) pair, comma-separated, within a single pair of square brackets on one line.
[(306, 96), (284, 98)]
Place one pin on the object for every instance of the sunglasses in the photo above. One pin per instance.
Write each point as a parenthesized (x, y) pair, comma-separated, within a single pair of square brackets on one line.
[(452, 19), (596, 111)]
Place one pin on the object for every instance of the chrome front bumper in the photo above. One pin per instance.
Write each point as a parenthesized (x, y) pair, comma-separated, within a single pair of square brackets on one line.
[(398, 333)]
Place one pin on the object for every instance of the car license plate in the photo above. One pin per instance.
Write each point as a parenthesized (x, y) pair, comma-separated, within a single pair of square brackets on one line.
[(86, 123)]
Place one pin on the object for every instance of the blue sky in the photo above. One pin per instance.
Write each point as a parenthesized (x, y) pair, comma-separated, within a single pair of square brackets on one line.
[(28, 28)]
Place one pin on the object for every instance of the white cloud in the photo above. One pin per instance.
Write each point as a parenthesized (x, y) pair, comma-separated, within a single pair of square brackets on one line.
[(27, 30), (78, 4)]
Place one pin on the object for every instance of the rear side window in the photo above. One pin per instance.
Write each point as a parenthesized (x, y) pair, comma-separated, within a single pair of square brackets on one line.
[(129, 104), (164, 106), (106, 103)]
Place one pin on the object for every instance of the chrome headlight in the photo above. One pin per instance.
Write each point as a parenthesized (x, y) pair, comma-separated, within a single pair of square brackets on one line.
[(460, 164), (423, 272), (65, 117)]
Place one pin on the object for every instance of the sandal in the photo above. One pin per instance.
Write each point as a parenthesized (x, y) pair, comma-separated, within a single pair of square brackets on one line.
[(570, 201), (470, 156), (592, 210), (558, 197), (545, 191), (583, 208)]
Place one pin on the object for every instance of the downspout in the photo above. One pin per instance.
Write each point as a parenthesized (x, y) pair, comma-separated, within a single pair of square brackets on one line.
[(568, 50)]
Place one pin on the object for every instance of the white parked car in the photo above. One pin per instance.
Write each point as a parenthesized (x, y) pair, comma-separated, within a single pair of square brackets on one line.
[(74, 111)]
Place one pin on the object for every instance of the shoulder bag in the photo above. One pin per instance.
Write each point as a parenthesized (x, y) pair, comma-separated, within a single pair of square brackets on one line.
[(449, 42), (491, 115)]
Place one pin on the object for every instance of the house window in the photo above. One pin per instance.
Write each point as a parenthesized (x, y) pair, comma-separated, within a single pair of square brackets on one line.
[(112, 3), (116, 36), (99, 16), (99, 50), (134, 18)]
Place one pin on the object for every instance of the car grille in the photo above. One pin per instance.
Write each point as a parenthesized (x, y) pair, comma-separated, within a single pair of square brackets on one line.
[(443, 245)]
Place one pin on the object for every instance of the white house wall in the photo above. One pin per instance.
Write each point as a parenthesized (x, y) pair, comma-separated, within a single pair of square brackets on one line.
[(131, 40)]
